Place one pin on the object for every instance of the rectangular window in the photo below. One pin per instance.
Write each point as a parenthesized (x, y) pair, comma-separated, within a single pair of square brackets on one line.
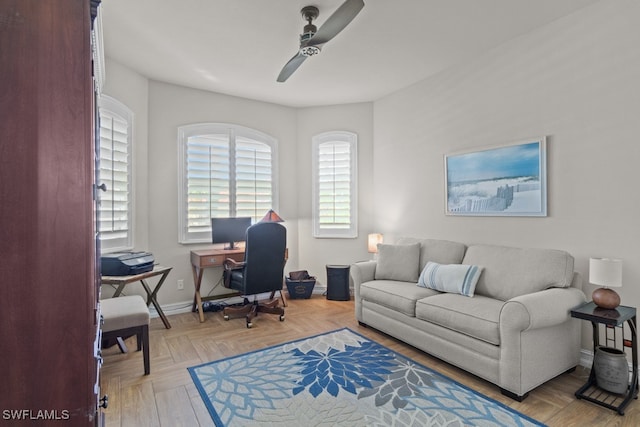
[(335, 201), (114, 210)]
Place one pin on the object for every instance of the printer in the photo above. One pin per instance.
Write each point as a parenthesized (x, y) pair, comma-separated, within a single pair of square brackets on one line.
[(126, 263)]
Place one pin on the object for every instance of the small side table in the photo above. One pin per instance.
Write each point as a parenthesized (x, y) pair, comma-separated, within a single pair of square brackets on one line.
[(610, 319), (121, 281)]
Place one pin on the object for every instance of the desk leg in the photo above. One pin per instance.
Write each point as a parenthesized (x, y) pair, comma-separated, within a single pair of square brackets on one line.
[(197, 299), (118, 291), (282, 297), (151, 297)]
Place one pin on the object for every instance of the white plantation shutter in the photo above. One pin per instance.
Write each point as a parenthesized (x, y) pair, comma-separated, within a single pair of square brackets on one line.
[(226, 171), (207, 181), (114, 209), (334, 185), (254, 171), (335, 172)]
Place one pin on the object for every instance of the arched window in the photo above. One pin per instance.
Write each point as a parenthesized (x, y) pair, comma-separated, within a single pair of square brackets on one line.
[(225, 170), (335, 201)]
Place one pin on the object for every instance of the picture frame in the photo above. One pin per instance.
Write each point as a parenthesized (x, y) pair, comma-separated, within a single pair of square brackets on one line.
[(503, 180)]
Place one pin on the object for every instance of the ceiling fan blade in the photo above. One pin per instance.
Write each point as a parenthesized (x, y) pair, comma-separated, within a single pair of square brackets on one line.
[(337, 22), (291, 66)]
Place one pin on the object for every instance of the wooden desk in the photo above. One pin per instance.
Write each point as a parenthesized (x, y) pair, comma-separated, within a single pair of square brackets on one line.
[(208, 258), (121, 281)]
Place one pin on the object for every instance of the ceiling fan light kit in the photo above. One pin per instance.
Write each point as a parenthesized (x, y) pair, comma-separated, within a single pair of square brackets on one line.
[(310, 50), (312, 39)]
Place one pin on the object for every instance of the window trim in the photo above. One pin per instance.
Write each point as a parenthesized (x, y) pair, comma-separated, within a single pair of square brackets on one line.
[(115, 107), (186, 131), (317, 140)]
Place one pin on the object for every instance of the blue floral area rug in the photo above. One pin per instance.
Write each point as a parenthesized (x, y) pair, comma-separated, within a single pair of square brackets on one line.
[(340, 378)]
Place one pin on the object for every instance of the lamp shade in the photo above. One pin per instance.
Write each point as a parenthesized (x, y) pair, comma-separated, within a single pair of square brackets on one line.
[(373, 241), (271, 216), (605, 272)]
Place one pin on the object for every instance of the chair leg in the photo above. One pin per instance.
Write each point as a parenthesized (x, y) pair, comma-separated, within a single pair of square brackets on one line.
[(236, 311), (282, 297), (251, 310), (142, 337), (253, 313), (145, 349), (139, 340), (270, 307), (121, 345)]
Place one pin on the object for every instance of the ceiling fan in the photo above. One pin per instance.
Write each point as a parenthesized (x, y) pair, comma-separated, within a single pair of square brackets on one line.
[(312, 38)]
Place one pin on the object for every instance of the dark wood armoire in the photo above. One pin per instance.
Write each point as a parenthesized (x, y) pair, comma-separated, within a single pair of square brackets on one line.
[(49, 359)]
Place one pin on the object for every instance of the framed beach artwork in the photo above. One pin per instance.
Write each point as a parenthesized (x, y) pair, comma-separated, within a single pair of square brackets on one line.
[(507, 180)]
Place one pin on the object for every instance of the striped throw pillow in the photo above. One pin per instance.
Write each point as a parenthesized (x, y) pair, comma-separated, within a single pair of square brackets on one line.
[(452, 278)]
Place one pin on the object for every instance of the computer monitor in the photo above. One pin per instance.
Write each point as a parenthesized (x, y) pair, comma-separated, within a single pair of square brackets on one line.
[(229, 230)]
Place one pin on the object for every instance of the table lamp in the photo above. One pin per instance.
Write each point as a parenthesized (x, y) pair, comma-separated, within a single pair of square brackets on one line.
[(605, 272), (271, 216), (373, 241)]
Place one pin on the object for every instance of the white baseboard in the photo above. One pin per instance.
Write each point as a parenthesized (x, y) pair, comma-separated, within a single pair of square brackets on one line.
[(586, 358), (175, 308), (185, 306)]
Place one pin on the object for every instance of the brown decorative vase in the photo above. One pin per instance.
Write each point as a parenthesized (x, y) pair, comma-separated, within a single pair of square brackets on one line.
[(611, 369), (605, 298)]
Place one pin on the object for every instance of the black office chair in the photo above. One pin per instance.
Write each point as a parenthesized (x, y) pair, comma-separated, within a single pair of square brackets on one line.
[(262, 271)]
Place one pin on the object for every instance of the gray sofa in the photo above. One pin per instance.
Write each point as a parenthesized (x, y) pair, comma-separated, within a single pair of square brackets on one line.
[(515, 331)]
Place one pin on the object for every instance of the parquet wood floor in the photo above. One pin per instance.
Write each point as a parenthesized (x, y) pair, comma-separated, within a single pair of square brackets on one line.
[(168, 397)]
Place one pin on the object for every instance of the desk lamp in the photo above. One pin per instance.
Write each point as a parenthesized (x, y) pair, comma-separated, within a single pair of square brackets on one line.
[(606, 272)]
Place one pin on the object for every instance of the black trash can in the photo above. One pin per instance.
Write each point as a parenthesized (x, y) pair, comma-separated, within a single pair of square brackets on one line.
[(338, 282)]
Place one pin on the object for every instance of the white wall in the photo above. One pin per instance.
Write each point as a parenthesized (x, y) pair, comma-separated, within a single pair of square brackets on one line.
[(172, 106), (575, 81), (132, 90), (159, 108), (316, 253)]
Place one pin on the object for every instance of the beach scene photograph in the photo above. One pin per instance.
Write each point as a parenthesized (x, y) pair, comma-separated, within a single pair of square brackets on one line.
[(507, 181)]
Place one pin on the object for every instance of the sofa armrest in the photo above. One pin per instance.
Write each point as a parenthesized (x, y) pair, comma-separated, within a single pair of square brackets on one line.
[(363, 271), (540, 309)]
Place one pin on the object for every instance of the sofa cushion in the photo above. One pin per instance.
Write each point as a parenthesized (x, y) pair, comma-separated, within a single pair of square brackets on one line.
[(440, 251), (398, 262), (399, 296), (455, 278), (478, 317), (511, 272)]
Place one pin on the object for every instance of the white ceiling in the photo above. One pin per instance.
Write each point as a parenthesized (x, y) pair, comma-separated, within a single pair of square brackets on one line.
[(238, 47)]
